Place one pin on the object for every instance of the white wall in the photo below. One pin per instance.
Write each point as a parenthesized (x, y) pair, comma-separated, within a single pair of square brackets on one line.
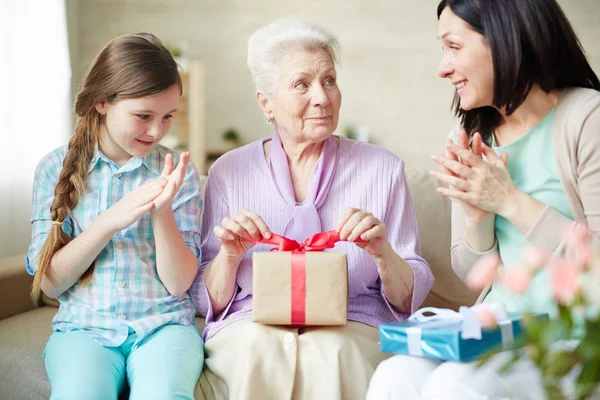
[(387, 77), (389, 58), (34, 106)]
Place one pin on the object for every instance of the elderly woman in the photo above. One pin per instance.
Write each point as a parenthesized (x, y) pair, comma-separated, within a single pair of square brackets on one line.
[(300, 181)]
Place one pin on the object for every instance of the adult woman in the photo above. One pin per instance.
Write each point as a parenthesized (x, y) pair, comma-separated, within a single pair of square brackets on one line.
[(298, 183), (524, 89)]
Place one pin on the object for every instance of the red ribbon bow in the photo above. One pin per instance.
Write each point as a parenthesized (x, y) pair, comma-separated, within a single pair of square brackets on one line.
[(316, 242)]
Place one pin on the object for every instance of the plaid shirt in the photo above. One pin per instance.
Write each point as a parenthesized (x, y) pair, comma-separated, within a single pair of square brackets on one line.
[(126, 292)]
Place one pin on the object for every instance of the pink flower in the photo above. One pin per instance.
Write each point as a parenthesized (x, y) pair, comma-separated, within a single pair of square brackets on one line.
[(534, 258), (516, 279), (565, 281), (484, 272)]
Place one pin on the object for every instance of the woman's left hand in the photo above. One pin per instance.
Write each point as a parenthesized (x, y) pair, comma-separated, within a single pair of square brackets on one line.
[(486, 185), (174, 181), (357, 224)]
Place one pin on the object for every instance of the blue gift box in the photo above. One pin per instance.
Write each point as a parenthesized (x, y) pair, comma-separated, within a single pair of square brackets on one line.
[(444, 339)]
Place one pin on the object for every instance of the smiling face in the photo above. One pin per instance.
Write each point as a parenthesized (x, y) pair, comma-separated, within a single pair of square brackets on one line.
[(467, 61), (132, 127), (306, 102)]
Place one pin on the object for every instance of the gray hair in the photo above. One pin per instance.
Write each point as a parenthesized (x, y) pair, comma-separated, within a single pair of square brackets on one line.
[(270, 43)]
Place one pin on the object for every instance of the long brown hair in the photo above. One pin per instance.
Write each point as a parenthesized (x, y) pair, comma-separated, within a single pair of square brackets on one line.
[(129, 66), (532, 42)]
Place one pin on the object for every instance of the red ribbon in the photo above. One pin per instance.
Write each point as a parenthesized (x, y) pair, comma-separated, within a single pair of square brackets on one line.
[(316, 242)]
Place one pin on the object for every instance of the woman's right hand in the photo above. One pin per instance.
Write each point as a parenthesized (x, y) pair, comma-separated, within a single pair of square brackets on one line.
[(473, 213), (131, 206), (243, 225)]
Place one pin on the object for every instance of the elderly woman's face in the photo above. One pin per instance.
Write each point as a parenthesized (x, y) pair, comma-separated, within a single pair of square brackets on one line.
[(307, 99)]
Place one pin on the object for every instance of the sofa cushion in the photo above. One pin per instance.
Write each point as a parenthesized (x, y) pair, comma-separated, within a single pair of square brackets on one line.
[(15, 285), (433, 217), (22, 341)]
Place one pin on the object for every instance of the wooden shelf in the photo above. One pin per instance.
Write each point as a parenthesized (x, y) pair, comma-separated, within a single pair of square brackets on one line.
[(188, 130)]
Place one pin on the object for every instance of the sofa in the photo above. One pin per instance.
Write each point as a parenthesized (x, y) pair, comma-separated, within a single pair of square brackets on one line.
[(25, 328)]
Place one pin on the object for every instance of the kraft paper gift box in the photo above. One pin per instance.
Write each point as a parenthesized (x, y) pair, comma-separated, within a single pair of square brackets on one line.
[(302, 287), (452, 336)]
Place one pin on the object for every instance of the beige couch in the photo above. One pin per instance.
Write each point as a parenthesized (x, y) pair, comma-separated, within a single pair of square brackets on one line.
[(24, 329)]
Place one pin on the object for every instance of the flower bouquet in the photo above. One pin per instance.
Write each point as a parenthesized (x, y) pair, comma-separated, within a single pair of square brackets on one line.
[(565, 348)]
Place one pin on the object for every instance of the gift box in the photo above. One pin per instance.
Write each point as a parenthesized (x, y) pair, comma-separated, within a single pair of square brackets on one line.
[(299, 284), (451, 336)]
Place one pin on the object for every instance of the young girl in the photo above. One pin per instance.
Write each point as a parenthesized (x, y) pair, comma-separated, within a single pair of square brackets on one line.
[(116, 233)]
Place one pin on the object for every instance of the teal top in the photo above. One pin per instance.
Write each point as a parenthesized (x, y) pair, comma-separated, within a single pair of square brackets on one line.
[(532, 167)]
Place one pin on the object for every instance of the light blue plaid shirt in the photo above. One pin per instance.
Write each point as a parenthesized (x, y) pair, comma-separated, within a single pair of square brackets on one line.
[(125, 293)]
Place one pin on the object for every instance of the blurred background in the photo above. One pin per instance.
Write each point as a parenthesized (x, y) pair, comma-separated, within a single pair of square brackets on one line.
[(389, 56)]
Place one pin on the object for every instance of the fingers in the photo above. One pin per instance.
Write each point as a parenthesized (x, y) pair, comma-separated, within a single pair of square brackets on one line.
[(142, 209), (247, 224), (223, 234), (149, 191), (451, 180), (378, 231), (450, 156), (354, 222), (476, 144), (504, 158), (344, 218), (182, 167), (168, 166), (166, 195), (455, 167), (493, 157), (367, 222), (457, 194), (259, 223), (177, 176), (463, 139), (465, 154)]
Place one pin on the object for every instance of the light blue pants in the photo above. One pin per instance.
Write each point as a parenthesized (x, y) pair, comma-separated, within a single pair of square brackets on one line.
[(165, 365)]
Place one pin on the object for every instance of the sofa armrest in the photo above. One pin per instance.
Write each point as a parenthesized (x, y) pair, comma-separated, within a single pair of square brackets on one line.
[(15, 285)]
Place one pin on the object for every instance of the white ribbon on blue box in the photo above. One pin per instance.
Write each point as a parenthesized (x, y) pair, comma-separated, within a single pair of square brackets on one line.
[(450, 335)]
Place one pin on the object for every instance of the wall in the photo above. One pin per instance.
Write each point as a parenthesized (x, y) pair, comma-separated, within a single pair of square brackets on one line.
[(389, 57), (387, 77)]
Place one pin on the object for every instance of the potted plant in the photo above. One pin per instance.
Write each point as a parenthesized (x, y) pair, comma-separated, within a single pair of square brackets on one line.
[(177, 52), (231, 138)]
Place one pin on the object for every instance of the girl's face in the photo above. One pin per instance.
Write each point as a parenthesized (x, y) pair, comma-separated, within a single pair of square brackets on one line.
[(467, 61), (132, 127)]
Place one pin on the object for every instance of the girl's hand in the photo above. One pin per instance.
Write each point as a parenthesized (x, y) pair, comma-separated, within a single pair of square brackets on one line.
[(174, 180), (234, 229), (131, 207), (473, 213), (487, 186), (356, 224)]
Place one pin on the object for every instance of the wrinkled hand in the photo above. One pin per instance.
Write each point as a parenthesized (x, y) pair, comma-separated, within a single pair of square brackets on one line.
[(355, 224), (234, 229), (482, 185), (174, 179), (131, 207)]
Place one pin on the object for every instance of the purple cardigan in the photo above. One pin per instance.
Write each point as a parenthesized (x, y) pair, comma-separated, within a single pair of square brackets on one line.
[(367, 177)]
